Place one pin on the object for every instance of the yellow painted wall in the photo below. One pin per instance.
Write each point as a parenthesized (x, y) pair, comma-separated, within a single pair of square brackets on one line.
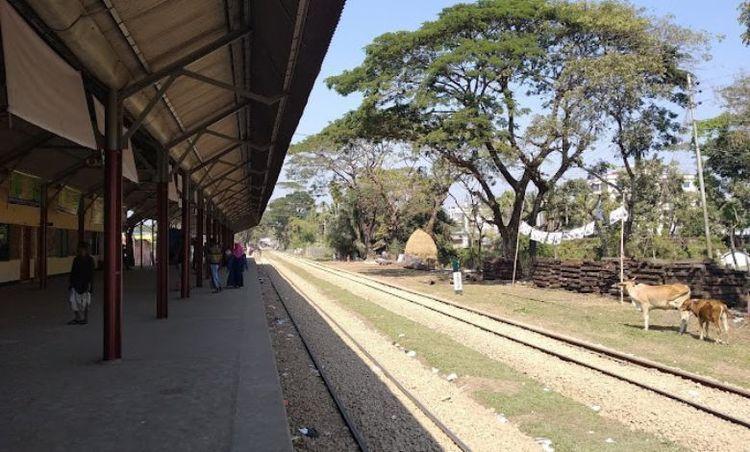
[(29, 216)]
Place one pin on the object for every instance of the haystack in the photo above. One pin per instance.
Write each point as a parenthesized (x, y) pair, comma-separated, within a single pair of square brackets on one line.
[(421, 250)]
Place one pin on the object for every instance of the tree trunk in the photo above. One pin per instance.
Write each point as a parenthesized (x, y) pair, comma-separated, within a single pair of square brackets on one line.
[(733, 248), (430, 226)]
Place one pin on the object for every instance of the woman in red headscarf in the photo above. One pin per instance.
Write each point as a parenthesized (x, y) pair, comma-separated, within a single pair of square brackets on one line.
[(237, 265)]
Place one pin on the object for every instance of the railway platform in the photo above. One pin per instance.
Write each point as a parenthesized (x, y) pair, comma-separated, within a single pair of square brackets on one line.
[(205, 379)]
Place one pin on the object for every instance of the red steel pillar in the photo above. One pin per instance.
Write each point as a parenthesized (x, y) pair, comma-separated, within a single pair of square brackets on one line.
[(198, 256), (186, 195), (112, 231), (162, 236), (41, 256)]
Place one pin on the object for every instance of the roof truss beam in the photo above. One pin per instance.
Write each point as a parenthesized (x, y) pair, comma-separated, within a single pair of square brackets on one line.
[(243, 92), (183, 62)]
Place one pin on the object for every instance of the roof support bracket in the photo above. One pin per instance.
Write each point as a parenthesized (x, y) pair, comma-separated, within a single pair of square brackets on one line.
[(237, 89), (150, 106), (206, 124)]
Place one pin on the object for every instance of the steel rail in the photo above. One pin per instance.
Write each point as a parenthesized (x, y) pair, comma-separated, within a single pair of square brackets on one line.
[(581, 344), (439, 424), (356, 434)]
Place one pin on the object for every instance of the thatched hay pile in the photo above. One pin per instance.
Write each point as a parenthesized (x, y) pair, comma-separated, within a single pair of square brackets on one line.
[(421, 250)]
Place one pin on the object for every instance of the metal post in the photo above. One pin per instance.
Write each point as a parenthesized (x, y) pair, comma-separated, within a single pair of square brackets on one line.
[(41, 256), (141, 247), (112, 231), (152, 250), (185, 280), (699, 163), (622, 251), (209, 223), (162, 236), (518, 241), (81, 220), (199, 242)]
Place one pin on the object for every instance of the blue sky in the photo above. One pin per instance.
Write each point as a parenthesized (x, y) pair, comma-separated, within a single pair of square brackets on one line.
[(363, 20)]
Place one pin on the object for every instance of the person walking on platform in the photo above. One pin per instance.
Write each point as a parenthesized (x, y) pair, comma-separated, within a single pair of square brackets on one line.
[(214, 262), (80, 285), (237, 266)]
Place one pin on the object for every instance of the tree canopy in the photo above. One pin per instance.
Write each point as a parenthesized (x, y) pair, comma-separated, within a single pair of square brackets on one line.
[(510, 92)]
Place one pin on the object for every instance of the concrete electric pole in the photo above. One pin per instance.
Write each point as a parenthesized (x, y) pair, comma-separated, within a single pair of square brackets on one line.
[(699, 162)]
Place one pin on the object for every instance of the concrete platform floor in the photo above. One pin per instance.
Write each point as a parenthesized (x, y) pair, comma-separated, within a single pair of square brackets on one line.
[(205, 379)]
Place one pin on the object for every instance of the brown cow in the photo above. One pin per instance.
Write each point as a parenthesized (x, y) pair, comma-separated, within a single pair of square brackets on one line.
[(707, 311)]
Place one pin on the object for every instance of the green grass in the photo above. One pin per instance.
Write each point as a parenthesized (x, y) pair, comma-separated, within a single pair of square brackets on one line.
[(536, 412), (599, 320)]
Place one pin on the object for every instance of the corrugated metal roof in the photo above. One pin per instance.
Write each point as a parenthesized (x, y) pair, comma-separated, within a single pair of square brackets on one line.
[(281, 56)]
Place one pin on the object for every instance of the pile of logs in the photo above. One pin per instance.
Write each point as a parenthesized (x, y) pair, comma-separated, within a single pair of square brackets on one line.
[(498, 269), (706, 280)]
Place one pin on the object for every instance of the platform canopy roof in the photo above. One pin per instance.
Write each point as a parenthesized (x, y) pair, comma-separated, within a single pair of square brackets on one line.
[(220, 85)]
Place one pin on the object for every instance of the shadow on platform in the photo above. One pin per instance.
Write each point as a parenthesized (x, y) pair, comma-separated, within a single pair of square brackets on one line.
[(205, 379)]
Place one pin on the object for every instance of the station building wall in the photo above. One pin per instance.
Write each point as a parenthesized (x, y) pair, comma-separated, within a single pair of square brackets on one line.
[(62, 238)]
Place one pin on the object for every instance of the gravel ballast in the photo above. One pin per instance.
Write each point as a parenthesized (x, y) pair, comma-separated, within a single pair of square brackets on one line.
[(308, 403), (472, 423)]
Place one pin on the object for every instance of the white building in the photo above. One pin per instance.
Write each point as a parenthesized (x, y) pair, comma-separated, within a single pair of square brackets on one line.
[(689, 184), (468, 225)]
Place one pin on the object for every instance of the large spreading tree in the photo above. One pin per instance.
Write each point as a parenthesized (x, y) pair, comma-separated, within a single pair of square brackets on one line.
[(505, 90)]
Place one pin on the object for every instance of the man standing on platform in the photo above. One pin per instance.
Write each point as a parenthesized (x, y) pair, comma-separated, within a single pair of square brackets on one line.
[(80, 285), (214, 261)]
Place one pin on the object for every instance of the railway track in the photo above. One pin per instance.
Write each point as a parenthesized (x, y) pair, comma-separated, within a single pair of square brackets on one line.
[(410, 296), (340, 406)]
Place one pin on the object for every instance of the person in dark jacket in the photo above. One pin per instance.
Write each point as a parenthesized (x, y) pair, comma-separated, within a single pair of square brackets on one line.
[(81, 285)]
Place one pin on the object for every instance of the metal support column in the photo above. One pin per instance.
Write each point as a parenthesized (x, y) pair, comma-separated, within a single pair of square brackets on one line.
[(141, 242), (41, 256), (209, 237), (112, 231), (186, 195), (199, 220), (81, 221), (162, 236)]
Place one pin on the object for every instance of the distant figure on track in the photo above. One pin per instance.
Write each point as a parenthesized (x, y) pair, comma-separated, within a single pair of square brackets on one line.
[(237, 265), (80, 285)]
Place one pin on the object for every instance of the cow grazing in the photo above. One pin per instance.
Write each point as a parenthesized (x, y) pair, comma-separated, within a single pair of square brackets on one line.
[(707, 311), (667, 296)]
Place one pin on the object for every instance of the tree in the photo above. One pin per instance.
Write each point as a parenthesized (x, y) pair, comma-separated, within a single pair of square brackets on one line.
[(465, 86), (728, 159), (281, 212), (745, 21), (638, 92), (383, 185)]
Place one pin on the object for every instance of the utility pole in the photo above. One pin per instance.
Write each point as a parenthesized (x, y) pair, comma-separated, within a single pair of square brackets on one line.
[(699, 162)]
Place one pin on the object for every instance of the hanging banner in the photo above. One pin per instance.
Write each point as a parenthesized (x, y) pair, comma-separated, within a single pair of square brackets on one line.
[(42, 88), (24, 189), (67, 200)]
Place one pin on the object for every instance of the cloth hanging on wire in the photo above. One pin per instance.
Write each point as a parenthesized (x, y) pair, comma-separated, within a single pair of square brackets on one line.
[(555, 238)]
